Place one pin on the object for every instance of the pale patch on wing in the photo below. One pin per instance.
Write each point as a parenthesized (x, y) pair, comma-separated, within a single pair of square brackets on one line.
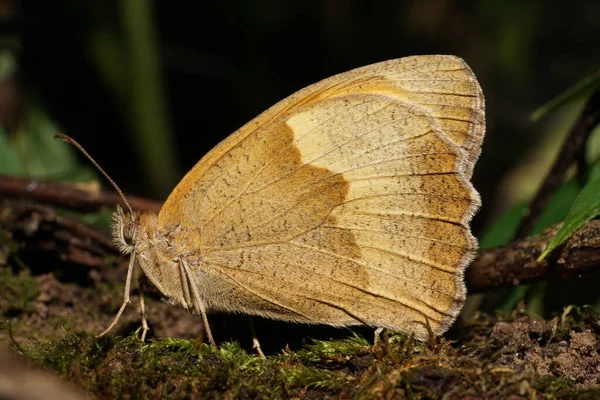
[(228, 164), (399, 153)]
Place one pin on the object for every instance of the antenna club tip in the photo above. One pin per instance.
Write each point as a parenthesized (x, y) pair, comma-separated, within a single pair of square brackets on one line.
[(60, 136)]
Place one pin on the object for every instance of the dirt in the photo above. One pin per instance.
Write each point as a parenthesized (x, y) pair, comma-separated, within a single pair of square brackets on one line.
[(92, 309), (532, 341)]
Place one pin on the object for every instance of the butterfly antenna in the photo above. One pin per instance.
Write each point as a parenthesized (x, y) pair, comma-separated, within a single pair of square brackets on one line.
[(69, 139)]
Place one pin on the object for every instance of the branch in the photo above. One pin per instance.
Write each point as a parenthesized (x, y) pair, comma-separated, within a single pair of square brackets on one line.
[(69, 195), (516, 263)]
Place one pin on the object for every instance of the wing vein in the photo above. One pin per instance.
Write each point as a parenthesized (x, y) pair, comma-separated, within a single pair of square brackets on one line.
[(363, 264), (420, 216), (362, 290), (398, 233), (433, 265), (256, 294)]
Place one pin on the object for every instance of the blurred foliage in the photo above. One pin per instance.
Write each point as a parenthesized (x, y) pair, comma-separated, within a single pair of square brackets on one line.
[(572, 203), (32, 152), (503, 228), (580, 90)]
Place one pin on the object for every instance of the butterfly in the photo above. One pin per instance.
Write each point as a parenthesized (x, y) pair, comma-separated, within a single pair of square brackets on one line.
[(348, 203)]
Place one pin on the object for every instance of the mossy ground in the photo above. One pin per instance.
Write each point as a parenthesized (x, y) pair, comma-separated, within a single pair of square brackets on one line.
[(53, 324)]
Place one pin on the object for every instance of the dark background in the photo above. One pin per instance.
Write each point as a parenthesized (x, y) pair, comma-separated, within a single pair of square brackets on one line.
[(219, 64)]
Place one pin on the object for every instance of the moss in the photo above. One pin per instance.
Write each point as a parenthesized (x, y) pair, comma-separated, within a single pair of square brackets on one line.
[(179, 368), (18, 292), (306, 377), (331, 352), (60, 355), (397, 366)]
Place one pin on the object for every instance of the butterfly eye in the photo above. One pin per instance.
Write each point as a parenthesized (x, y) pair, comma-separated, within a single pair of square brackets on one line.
[(129, 232), (124, 231)]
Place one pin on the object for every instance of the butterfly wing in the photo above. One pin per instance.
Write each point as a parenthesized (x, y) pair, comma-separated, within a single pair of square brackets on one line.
[(346, 203)]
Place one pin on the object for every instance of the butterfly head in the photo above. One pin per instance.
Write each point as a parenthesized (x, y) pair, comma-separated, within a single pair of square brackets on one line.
[(125, 230)]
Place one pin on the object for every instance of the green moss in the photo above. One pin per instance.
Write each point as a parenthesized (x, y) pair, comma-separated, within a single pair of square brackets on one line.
[(18, 292), (315, 378), (60, 355), (332, 351), (396, 367), (181, 368)]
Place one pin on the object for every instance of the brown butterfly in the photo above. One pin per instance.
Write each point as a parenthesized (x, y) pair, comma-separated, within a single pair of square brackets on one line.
[(347, 203)]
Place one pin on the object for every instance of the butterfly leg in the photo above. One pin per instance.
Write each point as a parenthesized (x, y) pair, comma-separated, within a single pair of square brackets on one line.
[(378, 339), (125, 297), (255, 342), (199, 304), (143, 310)]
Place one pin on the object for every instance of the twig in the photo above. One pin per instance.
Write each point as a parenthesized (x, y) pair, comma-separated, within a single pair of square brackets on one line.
[(569, 153), (68, 195), (516, 264)]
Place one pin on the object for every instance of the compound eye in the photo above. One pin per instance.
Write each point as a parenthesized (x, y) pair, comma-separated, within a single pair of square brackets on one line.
[(128, 232), (124, 231)]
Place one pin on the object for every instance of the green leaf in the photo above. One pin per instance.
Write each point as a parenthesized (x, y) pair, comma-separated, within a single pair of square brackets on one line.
[(585, 207), (39, 154), (33, 152), (581, 89)]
